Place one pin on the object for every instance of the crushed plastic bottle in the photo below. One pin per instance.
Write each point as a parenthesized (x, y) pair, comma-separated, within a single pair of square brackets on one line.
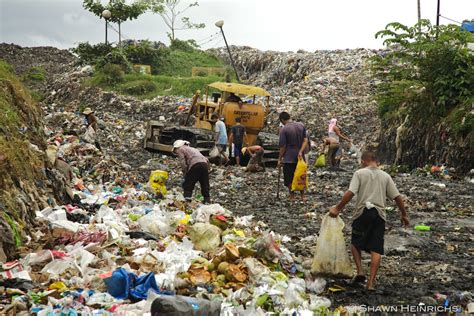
[(422, 227)]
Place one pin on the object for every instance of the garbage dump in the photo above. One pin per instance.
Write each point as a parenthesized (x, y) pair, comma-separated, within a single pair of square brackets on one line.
[(117, 246), (124, 243)]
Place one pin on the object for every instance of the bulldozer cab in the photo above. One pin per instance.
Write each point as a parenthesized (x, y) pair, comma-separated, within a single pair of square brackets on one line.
[(231, 101)]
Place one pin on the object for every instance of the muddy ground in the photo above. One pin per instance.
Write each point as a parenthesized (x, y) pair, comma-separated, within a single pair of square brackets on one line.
[(417, 264)]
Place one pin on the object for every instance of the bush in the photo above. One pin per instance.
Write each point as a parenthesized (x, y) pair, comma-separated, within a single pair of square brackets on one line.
[(90, 54), (35, 74), (144, 54), (109, 74), (186, 46), (139, 87), (116, 57), (431, 71)]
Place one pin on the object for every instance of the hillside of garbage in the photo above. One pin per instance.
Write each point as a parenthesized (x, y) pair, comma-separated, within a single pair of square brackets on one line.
[(99, 240)]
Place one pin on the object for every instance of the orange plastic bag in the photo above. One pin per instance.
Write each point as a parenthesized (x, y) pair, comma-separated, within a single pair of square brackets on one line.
[(300, 179)]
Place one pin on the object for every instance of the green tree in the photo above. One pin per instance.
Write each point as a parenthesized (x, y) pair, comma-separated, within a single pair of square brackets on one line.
[(172, 15), (119, 9), (426, 67)]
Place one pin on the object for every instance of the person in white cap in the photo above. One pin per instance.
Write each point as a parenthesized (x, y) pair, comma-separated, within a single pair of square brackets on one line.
[(195, 168)]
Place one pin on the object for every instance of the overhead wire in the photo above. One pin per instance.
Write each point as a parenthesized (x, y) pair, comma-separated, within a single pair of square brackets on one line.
[(209, 41), (450, 19), (121, 34), (207, 38)]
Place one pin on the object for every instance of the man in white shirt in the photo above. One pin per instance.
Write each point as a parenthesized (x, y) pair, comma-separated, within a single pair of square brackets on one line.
[(221, 137), (372, 187)]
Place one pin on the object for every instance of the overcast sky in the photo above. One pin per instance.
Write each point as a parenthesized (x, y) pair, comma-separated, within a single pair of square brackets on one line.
[(264, 24)]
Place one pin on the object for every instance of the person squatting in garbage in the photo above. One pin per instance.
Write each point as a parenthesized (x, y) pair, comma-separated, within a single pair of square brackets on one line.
[(237, 137), (221, 137), (256, 158), (195, 168), (335, 132), (333, 147), (371, 186), (293, 141)]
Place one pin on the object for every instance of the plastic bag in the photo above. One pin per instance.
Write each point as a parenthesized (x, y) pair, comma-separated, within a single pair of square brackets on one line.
[(331, 257), (316, 286), (214, 152), (160, 223), (205, 236), (123, 285), (204, 212), (89, 135), (320, 162), (300, 179), (157, 182), (178, 305)]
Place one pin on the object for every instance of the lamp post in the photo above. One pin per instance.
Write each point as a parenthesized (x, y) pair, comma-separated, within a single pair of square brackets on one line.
[(220, 24), (106, 14)]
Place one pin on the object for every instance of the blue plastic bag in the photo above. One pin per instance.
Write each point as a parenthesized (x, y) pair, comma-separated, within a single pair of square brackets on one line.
[(123, 285)]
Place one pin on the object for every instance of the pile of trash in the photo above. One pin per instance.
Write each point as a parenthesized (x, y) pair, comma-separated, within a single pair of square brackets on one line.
[(326, 84), (115, 249)]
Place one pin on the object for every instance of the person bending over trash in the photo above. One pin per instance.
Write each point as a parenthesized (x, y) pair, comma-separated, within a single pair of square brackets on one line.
[(372, 186), (333, 147), (335, 132), (92, 127), (293, 141), (256, 154), (195, 168)]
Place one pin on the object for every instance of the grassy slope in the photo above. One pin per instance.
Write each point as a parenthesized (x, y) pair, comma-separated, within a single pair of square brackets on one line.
[(19, 123), (175, 75), (179, 63)]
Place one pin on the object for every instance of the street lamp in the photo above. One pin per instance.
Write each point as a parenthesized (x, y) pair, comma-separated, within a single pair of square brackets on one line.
[(220, 24), (106, 14)]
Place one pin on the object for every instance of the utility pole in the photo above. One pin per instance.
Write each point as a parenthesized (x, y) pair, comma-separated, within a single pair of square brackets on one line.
[(219, 24), (437, 14), (419, 15), (437, 19), (106, 14)]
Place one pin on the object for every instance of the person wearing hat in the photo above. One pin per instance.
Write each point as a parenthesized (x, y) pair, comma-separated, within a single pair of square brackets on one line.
[(256, 154), (195, 168), (91, 122)]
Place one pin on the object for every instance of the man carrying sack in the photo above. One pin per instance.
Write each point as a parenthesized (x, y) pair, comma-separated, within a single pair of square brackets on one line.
[(372, 187), (293, 141)]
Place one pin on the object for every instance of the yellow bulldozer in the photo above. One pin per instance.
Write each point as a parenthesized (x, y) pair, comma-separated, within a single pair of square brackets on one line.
[(226, 102)]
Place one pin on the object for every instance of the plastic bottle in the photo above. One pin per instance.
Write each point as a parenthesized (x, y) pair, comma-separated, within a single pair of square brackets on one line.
[(422, 227)]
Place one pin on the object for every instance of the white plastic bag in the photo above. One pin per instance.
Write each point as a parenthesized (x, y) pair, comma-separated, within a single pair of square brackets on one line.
[(331, 257), (214, 152), (204, 212), (205, 236), (89, 135)]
